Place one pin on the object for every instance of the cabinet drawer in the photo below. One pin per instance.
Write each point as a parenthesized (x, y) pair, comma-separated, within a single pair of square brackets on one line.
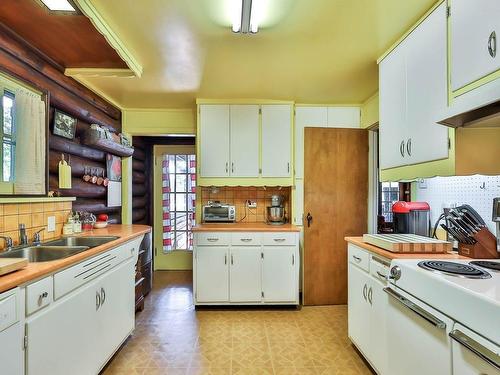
[(246, 238), (39, 295), (279, 239), (379, 269), (359, 257), (212, 238), (8, 311), (73, 277)]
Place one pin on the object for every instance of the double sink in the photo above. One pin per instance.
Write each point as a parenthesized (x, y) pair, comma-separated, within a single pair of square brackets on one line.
[(57, 249)]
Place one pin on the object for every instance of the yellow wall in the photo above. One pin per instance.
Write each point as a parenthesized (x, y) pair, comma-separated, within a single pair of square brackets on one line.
[(158, 121), (370, 111)]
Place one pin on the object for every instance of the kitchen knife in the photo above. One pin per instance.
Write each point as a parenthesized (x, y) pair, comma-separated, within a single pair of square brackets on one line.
[(473, 212), (465, 236), (465, 217)]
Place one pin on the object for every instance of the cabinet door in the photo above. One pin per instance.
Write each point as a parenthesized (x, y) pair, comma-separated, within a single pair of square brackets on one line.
[(279, 282), (245, 274), (214, 142), (427, 89), (378, 300), (358, 308), (276, 140), (472, 24), (63, 339), (392, 89), (11, 354), (306, 117), (116, 315), (212, 274), (244, 140)]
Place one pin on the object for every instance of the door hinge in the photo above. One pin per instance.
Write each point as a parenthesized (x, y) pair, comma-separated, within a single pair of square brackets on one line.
[(260, 110), (156, 251), (260, 170), (448, 11), (449, 143), (25, 342)]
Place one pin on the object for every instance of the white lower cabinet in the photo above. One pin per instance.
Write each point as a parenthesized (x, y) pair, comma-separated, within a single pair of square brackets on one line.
[(265, 270), (367, 306), (11, 343)]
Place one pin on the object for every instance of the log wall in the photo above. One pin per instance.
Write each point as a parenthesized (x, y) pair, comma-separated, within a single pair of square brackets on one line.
[(28, 64), (142, 178)]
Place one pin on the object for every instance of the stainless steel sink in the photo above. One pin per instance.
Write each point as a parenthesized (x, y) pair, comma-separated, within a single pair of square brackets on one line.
[(36, 254), (81, 241)]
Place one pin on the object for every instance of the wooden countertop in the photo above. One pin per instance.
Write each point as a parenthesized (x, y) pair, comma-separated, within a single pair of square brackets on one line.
[(37, 270), (358, 241), (245, 227)]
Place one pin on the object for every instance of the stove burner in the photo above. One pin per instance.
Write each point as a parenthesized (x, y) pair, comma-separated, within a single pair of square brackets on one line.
[(487, 264), (454, 269)]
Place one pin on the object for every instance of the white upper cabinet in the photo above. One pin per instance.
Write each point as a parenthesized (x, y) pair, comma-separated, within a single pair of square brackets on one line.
[(427, 94), (276, 140), (344, 117), (413, 93), (306, 117), (475, 30), (244, 146), (214, 149)]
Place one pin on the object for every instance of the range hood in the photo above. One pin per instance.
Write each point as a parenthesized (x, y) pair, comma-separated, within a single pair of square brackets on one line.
[(479, 107)]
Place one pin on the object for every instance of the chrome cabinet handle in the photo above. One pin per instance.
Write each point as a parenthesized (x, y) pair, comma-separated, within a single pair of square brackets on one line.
[(476, 348), (381, 275), (357, 259), (225, 258), (245, 239), (492, 44), (212, 239), (41, 297), (293, 259), (408, 147), (288, 167), (232, 262), (402, 148), (232, 167), (103, 296), (97, 301), (370, 296), (436, 322), (227, 170), (364, 291), (279, 239)]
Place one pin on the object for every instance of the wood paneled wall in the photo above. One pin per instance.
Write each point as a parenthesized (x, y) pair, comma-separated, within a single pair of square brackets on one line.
[(26, 63)]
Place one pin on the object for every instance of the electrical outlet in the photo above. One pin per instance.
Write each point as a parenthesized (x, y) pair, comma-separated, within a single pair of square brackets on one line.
[(51, 224), (251, 204), (422, 183)]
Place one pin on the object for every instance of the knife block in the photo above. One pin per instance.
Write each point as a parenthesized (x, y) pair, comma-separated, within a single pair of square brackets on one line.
[(486, 246)]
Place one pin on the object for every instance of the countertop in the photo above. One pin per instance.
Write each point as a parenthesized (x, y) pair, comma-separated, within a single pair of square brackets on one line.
[(36, 270), (245, 227), (358, 241)]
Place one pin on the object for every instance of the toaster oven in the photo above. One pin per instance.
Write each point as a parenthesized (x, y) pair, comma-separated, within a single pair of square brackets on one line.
[(219, 213)]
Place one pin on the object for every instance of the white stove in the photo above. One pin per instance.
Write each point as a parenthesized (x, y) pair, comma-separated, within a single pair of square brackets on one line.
[(445, 307)]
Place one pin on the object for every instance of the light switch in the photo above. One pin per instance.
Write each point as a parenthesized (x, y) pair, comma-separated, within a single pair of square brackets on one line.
[(51, 224)]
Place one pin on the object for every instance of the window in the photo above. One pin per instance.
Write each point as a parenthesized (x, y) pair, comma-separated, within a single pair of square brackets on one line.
[(7, 136), (388, 195), (179, 194)]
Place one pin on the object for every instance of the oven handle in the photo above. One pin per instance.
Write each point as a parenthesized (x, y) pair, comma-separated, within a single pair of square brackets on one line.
[(438, 323), (476, 348)]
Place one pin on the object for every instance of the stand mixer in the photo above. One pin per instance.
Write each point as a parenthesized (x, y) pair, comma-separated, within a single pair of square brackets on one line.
[(276, 212)]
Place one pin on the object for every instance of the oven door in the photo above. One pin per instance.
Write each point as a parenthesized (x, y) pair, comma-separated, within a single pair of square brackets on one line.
[(473, 354), (418, 339)]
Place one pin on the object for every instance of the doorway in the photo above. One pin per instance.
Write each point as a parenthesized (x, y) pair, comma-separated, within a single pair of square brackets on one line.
[(335, 206), (174, 206)]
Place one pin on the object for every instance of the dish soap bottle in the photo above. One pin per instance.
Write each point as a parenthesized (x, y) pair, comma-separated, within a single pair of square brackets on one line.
[(68, 226)]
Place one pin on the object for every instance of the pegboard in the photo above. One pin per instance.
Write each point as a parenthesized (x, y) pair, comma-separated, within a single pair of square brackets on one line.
[(477, 191)]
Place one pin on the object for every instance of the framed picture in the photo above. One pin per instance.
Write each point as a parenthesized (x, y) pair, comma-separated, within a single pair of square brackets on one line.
[(114, 167), (64, 125)]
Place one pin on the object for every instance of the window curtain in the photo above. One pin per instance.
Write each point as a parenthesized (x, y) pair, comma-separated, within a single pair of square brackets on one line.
[(30, 162), (165, 201)]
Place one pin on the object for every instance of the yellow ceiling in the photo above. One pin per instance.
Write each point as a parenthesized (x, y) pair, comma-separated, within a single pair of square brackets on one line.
[(310, 51)]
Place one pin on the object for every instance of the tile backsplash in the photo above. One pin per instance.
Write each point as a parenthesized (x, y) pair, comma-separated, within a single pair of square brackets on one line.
[(239, 195), (34, 216)]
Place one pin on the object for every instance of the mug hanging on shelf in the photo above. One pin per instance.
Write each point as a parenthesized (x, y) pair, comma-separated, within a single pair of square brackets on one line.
[(106, 180), (93, 179), (100, 179), (86, 176)]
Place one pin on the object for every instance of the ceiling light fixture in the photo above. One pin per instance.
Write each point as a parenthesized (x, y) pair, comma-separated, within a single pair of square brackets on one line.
[(246, 16), (59, 5)]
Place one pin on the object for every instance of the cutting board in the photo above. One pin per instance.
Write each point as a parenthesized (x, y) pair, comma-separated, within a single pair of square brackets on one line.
[(408, 243), (12, 264)]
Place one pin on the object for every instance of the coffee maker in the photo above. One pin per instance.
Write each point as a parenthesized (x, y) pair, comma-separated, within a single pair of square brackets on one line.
[(276, 212)]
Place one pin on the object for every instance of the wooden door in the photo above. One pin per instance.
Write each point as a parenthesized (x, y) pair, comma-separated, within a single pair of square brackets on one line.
[(214, 140), (336, 198), (276, 140), (244, 137)]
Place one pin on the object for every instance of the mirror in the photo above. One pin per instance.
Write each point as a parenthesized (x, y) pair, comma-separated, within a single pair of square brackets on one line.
[(23, 138)]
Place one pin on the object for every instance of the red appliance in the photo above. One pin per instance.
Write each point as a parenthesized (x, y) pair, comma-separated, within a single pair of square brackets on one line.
[(412, 217)]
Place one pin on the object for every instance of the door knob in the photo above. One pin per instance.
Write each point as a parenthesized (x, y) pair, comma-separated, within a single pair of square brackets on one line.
[(309, 219)]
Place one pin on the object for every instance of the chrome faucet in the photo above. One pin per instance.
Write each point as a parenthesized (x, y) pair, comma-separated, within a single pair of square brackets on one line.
[(23, 238), (37, 238), (8, 243)]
